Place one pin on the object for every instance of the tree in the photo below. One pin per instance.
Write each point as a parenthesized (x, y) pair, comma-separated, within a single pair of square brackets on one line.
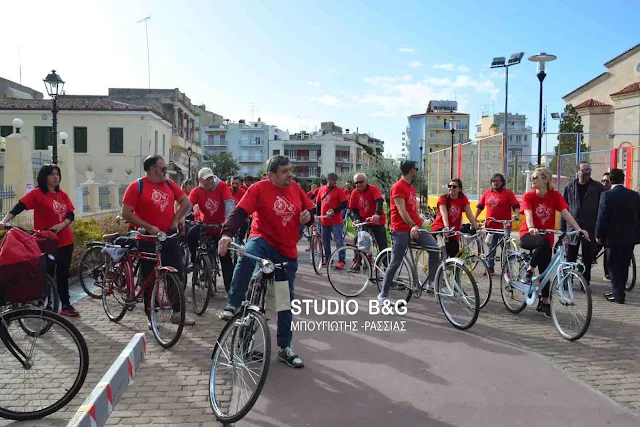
[(223, 165), (382, 174), (570, 123)]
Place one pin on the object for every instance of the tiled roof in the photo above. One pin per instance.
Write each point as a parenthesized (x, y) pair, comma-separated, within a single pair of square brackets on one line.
[(95, 104), (591, 103), (610, 62), (633, 87), (590, 81)]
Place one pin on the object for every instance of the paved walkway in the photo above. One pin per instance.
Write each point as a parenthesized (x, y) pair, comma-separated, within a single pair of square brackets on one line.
[(431, 374)]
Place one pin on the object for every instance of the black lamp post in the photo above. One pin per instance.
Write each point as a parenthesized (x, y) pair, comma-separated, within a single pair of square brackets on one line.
[(189, 152), (421, 142), (453, 131), (541, 59), (54, 85)]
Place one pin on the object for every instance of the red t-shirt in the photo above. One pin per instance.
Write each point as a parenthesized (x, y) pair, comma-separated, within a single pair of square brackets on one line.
[(313, 193), (543, 210), (211, 202), (276, 215), (237, 195), (155, 204), (498, 205), (331, 198), (365, 203), (244, 187), (347, 194), (405, 190), (48, 210), (456, 208)]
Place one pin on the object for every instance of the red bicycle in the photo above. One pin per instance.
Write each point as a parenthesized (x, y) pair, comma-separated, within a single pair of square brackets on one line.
[(167, 295)]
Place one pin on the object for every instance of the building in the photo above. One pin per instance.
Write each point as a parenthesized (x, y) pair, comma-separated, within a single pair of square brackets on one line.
[(249, 143), (432, 130), (205, 120), (183, 115), (105, 134), (13, 90), (519, 134), (609, 104)]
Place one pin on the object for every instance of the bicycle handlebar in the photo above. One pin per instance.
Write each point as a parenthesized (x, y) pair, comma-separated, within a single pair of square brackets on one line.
[(161, 236), (363, 223), (268, 266)]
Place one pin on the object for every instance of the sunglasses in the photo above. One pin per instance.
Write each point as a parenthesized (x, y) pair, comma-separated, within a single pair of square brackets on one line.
[(164, 169), (587, 170), (496, 180), (359, 182), (452, 186)]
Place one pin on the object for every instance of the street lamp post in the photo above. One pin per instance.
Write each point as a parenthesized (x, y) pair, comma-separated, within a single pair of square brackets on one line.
[(541, 59), (189, 152), (453, 131), (500, 62), (54, 85), (421, 180)]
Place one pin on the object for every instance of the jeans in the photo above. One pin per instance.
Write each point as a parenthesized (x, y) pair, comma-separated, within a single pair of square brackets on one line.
[(491, 258), (400, 242), (60, 267), (170, 257), (193, 237), (326, 240), (243, 272)]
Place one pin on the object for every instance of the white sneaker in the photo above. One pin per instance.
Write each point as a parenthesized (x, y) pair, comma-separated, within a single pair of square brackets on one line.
[(382, 299), (289, 356)]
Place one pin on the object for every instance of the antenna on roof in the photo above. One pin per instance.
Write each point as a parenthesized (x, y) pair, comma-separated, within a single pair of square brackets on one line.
[(148, 56)]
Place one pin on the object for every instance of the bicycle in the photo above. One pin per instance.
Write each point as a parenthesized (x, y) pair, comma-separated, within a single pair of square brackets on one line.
[(505, 244), (315, 245), (448, 278), (563, 276), (476, 265), (119, 283), (358, 264), (631, 278), (205, 269), (236, 349)]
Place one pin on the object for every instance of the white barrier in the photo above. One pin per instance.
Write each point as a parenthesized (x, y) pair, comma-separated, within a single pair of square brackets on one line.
[(98, 406)]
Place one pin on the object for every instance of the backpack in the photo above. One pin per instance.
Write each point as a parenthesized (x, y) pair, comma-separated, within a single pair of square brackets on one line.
[(141, 183)]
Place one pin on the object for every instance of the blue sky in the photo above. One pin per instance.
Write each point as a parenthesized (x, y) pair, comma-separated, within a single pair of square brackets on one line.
[(359, 64)]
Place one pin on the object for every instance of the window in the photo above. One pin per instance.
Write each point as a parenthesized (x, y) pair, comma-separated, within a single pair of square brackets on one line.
[(42, 137), (432, 120), (164, 144), (525, 138), (5, 131), (276, 152), (313, 155), (116, 140), (257, 140), (460, 137), (155, 146), (79, 140), (432, 135)]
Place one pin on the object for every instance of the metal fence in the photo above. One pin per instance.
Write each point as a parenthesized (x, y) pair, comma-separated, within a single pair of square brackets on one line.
[(85, 199), (7, 196), (104, 198)]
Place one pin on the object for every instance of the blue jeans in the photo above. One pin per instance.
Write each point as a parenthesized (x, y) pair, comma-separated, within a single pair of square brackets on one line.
[(243, 272), (491, 258), (326, 240), (400, 242)]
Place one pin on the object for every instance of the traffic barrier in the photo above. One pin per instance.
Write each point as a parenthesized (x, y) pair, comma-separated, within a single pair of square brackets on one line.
[(96, 409)]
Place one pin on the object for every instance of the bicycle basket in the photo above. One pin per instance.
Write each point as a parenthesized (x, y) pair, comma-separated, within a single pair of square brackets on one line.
[(47, 242), (115, 252), (23, 281), (365, 242)]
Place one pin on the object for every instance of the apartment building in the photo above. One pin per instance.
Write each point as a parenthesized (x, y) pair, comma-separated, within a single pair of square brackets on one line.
[(519, 134)]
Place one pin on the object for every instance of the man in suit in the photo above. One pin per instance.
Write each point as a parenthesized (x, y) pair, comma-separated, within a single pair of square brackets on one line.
[(618, 229)]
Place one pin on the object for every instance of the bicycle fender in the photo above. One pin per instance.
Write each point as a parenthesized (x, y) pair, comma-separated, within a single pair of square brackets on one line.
[(169, 269), (457, 261)]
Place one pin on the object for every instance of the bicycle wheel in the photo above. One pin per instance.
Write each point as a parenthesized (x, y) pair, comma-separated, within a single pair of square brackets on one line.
[(57, 365), (201, 284), (513, 298), (50, 300), (167, 298), (115, 294), (575, 296), (352, 279), (215, 272), (345, 224), (404, 281), (631, 280), (456, 288), (316, 254), (90, 271), (244, 346), (480, 271)]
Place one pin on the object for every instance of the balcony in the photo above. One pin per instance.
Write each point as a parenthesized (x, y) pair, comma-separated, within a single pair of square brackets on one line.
[(178, 141), (251, 159), (300, 159), (344, 160), (251, 143), (215, 128), (442, 126)]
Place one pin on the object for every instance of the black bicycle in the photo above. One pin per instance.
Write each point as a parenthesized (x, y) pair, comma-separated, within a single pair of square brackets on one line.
[(206, 268)]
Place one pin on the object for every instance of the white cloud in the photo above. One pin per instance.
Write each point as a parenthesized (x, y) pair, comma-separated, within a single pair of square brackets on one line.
[(464, 69), (333, 71), (328, 100), (315, 84), (415, 64), (496, 75), (377, 81), (438, 82), (407, 50), (448, 67)]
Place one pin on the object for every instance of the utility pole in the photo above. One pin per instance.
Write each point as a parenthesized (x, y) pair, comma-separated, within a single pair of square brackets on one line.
[(148, 55)]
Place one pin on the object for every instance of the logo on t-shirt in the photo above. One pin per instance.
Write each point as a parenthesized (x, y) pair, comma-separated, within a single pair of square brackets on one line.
[(60, 209), (364, 204), (212, 206), (285, 209), (160, 198), (411, 203), (493, 201), (454, 213), (327, 198), (544, 213)]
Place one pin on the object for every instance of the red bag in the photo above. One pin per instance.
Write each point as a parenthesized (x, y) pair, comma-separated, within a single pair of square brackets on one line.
[(47, 241), (18, 246), (22, 268)]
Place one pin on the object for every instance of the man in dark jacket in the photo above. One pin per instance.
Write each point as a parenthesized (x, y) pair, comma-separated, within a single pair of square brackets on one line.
[(618, 229), (583, 198)]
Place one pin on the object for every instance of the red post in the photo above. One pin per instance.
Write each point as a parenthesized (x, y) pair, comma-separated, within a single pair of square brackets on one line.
[(629, 167), (459, 161), (614, 159)]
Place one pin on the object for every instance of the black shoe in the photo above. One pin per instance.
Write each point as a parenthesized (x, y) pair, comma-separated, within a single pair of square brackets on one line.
[(613, 299), (608, 294), (545, 309)]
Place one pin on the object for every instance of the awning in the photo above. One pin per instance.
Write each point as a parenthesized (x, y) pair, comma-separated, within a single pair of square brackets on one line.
[(181, 167)]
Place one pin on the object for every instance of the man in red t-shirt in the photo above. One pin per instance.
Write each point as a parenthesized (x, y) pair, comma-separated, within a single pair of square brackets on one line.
[(366, 204), (278, 206), (238, 191), (499, 202), (148, 203), (331, 201), (216, 202), (405, 223)]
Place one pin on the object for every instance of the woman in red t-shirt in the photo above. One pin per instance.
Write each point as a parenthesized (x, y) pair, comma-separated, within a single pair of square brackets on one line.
[(52, 210), (450, 209), (540, 206)]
